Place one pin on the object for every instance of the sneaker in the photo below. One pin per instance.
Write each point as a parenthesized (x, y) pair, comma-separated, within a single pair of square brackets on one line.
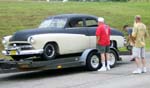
[(108, 67), (102, 69), (144, 70), (137, 71)]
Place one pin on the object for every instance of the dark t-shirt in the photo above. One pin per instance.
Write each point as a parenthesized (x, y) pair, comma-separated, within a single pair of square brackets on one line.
[(129, 31)]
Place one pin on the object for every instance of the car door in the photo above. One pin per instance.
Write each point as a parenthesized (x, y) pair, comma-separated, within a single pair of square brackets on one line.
[(77, 39), (91, 25)]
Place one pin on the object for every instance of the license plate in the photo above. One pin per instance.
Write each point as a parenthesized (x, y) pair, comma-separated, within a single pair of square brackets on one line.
[(13, 52)]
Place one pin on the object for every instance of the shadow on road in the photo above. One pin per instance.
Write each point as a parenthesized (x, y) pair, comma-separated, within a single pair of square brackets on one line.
[(42, 74)]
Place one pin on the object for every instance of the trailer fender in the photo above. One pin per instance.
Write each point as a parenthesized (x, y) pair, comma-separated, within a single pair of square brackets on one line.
[(85, 55)]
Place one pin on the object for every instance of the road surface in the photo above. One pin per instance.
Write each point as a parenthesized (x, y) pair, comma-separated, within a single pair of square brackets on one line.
[(119, 77)]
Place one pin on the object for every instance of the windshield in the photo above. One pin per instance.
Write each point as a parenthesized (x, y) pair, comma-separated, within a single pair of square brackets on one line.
[(53, 22)]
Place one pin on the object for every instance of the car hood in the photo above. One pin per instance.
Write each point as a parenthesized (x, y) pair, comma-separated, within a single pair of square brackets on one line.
[(24, 34)]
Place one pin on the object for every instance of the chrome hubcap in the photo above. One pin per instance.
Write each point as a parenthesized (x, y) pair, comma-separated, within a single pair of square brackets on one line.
[(94, 61), (50, 50), (112, 58)]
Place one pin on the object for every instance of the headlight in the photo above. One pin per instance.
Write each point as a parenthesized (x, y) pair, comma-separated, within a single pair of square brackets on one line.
[(4, 41), (31, 40)]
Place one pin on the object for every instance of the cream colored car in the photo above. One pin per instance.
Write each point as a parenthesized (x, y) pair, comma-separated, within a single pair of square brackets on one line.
[(56, 36)]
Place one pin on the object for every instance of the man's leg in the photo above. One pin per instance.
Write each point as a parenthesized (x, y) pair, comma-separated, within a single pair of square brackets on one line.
[(138, 62), (103, 59), (143, 60), (103, 68), (144, 65), (107, 57), (136, 53), (108, 61)]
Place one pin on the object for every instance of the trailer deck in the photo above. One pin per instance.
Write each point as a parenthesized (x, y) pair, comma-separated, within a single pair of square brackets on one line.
[(28, 65)]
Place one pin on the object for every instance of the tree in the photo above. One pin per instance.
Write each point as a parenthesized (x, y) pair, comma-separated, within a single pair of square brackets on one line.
[(65, 0)]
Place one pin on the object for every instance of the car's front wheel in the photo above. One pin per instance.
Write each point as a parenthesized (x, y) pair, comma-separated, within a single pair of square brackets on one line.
[(49, 51)]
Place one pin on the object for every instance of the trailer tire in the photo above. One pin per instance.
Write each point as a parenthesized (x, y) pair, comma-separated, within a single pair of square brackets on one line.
[(113, 58), (93, 62)]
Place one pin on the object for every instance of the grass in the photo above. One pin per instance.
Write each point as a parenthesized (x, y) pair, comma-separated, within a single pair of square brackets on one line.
[(16, 16)]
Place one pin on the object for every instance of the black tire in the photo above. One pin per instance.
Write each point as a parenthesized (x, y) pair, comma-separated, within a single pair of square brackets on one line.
[(93, 62), (49, 51), (113, 57)]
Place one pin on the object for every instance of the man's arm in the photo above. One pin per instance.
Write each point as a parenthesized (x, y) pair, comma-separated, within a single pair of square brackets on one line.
[(146, 33), (134, 32), (97, 39)]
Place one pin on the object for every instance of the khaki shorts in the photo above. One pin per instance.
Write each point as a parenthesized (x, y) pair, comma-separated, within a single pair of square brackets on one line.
[(102, 49), (138, 52)]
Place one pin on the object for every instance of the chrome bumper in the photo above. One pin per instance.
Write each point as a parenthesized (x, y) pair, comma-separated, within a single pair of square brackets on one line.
[(22, 52)]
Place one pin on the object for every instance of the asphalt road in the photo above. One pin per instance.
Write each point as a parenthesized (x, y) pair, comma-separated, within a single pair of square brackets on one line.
[(119, 77)]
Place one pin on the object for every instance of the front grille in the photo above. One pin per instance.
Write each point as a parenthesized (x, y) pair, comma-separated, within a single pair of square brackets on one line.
[(22, 46)]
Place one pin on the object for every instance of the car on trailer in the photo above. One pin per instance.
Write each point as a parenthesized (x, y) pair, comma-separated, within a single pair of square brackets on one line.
[(59, 36)]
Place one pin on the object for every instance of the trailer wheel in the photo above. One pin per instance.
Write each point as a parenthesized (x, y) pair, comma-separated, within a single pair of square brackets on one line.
[(113, 58), (93, 61), (49, 51)]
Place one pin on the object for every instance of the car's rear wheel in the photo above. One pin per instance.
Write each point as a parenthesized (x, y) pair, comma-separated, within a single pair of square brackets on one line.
[(49, 51), (93, 61)]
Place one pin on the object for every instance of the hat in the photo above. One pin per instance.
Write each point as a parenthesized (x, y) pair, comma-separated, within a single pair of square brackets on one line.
[(100, 19)]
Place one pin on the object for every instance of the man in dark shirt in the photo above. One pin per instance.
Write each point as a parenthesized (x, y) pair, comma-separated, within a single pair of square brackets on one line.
[(130, 39), (128, 30)]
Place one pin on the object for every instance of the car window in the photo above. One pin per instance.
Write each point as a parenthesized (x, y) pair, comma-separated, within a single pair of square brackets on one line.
[(91, 23), (53, 22), (76, 22)]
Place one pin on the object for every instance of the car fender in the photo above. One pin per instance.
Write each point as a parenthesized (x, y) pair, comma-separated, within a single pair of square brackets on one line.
[(119, 40)]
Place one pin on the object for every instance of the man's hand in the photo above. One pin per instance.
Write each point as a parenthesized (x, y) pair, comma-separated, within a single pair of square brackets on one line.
[(97, 39)]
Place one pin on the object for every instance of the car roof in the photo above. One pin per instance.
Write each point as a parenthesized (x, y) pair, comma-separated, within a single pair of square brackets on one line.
[(72, 15)]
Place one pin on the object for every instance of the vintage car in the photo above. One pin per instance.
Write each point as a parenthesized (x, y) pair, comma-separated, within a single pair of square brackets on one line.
[(57, 35)]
